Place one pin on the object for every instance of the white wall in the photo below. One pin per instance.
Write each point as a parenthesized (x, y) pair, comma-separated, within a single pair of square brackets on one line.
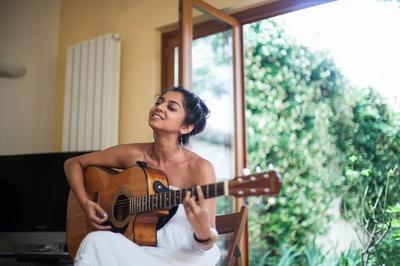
[(28, 36)]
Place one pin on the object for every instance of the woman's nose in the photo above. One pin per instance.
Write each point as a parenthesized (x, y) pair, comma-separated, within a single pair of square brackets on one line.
[(160, 107)]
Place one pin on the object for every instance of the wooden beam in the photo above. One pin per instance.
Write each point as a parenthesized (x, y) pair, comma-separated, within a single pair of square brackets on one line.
[(215, 13), (185, 43), (240, 122)]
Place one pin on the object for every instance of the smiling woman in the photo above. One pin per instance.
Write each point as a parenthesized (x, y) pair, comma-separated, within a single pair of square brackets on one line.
[(190, 234), (196, 110)]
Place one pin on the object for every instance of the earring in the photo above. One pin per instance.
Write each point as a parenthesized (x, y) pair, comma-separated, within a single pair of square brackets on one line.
[(181, 140)]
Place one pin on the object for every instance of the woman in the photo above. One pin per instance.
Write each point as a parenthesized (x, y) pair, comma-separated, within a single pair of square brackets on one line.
[(189, 237)]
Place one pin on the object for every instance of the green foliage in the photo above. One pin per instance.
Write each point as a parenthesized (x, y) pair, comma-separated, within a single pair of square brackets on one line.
[(376, 143), (388, 251), (290, 95), (306, 119), (311, 255), (395, 211)]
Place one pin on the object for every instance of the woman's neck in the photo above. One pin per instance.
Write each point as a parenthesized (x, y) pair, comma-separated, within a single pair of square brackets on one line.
[(166, 150)]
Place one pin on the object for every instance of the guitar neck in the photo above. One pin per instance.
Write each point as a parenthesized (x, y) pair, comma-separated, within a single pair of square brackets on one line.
[(171, 198)]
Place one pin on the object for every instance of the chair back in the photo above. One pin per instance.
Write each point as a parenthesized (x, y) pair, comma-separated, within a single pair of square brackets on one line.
[(233, 223)]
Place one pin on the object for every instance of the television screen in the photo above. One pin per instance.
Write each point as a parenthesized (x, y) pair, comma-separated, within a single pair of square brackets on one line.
[(33, 192)]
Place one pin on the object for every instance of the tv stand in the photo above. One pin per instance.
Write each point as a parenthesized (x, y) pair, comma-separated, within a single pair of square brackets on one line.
[(36, 255)]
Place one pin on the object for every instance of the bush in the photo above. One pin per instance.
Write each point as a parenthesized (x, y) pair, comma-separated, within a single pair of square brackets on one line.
[(306, 119)]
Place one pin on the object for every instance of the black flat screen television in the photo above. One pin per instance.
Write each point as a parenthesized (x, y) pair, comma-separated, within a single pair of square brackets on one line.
[(33, 192)]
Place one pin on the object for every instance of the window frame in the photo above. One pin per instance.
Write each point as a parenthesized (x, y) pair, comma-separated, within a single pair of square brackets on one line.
[(174, 38), (170, 39)]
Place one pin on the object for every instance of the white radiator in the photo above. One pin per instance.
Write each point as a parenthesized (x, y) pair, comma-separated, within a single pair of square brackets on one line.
[(91, 105)]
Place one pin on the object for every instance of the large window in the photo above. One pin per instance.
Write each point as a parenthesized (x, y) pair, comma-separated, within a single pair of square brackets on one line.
[(212, 81), (322, 106)]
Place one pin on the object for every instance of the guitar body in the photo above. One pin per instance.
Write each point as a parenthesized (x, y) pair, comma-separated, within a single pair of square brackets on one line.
[(111, 190), (138, 200)]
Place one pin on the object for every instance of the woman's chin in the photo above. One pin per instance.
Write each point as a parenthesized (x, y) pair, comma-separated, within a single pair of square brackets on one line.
[(153, 124)]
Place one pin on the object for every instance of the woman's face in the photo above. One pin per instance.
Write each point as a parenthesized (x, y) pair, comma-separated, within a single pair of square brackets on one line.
[(168, 113)]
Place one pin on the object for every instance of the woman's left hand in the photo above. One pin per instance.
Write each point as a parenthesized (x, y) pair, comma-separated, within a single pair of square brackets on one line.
[(198, 214)]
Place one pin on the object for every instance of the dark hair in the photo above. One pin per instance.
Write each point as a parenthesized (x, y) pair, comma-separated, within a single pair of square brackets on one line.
[(196, 110)]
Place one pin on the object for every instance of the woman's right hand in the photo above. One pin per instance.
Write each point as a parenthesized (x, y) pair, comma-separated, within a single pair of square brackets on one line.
[(96, 215)]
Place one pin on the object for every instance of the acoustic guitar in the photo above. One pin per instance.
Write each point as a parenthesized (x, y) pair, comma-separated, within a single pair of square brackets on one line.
[(138, 200)]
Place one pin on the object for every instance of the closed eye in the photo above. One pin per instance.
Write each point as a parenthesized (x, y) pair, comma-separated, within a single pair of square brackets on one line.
[(159, 101)]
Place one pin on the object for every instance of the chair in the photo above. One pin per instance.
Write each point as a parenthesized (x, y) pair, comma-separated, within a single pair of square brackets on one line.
[(233, 223)]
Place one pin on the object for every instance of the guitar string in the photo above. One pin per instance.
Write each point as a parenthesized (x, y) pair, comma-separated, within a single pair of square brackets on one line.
[(181, 192), (142, 206), (142, 202)]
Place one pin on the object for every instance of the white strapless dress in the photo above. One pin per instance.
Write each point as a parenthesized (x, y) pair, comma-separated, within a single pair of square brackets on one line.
[(176, 247)]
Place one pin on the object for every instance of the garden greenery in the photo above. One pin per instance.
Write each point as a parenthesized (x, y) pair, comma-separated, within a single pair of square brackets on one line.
[(328, 138)]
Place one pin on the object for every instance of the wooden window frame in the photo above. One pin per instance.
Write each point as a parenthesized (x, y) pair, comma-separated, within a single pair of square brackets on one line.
[(170, 39), (234, 21)]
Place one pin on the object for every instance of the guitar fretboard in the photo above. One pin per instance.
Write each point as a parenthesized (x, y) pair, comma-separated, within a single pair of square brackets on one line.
[(171, 198)]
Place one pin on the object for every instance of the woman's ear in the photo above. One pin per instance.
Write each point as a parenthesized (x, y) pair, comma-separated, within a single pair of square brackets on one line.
[(185, 129)]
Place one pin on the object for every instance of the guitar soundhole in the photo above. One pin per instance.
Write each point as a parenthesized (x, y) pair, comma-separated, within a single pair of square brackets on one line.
[(121, 208)]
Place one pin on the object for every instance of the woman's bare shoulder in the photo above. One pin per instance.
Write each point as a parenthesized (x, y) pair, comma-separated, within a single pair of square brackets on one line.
[(118, 156), (204, 169), (133, 152)]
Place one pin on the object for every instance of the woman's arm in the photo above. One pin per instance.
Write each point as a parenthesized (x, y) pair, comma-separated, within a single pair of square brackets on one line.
[(201, 214), (120, 156)]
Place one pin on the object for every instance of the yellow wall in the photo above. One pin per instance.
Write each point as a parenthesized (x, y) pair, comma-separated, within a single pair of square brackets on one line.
[(28, 37), (138, 22)]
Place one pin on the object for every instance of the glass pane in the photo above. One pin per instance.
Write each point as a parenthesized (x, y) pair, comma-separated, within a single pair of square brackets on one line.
[(213, 82), (322, 92)]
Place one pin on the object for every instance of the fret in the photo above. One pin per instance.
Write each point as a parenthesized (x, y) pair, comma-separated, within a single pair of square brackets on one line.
[(165, 200), (170, 198), (153, 202), (130, 205), (141, 204), (136, 205)]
